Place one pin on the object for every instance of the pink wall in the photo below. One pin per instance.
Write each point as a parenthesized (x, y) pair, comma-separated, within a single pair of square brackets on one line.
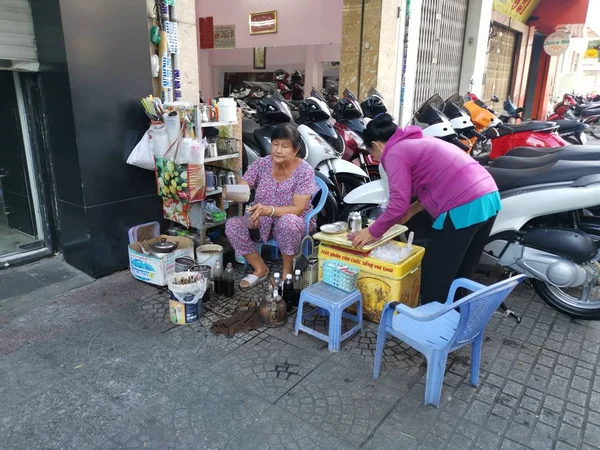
[(300, 22), (214, 63), (309, 32)]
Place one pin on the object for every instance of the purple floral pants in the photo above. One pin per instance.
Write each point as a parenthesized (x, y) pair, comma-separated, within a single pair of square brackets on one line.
[(287, 230)]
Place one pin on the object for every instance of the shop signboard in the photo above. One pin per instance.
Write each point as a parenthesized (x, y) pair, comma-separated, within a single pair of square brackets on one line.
[(591, 53), (263, 22), (224, 36), (517, 9), (557, 43), (206, 29)]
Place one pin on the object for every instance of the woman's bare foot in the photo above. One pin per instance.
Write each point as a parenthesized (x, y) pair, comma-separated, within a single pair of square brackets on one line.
[(256, 277)]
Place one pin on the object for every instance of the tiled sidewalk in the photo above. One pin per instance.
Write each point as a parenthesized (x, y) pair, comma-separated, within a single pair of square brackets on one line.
[(102, 367)]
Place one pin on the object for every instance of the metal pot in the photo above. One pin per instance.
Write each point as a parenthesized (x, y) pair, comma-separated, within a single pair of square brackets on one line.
[(272, 312), (162, 248)]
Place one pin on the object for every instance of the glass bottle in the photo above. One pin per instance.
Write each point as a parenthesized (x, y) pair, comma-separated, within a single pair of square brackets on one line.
[(288, 292), (277, 282), (229, 281), (217, 276), (297, 287)]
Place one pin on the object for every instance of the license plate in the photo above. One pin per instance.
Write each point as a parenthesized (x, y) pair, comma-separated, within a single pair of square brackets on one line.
[(583, 138)]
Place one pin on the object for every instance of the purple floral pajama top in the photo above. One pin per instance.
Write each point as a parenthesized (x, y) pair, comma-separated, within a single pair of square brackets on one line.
[(270, 192)]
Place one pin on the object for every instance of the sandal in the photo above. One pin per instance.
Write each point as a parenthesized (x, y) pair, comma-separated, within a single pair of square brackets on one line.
[(252, 280)]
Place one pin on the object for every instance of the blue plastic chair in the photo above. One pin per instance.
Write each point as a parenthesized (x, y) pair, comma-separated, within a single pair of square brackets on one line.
[(316, 210), (436, 329)]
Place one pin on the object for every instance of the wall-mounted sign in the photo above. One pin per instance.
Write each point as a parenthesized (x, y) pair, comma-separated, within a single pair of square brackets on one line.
[(591, 53), (260, 58), (207, 38), (557, 43), (263, 22), (224, 36), (517, 9)]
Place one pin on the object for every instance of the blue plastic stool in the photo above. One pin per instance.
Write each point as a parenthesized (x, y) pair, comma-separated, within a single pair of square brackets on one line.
[(334, 301)]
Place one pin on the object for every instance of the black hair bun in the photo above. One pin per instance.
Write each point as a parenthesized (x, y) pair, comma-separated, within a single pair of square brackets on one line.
[(383, 120)]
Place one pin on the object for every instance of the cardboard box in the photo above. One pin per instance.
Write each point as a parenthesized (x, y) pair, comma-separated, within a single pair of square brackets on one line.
[(154, 270), (380, 282)]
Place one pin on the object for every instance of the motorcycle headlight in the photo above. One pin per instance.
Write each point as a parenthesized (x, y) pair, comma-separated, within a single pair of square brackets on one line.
[(359, 141), (326, 147)]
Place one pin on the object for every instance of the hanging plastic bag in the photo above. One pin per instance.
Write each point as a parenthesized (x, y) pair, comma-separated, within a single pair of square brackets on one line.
[(158, 135), (142, 154), (196, 151)]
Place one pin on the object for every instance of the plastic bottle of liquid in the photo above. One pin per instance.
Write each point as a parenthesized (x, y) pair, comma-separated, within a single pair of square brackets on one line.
[(228, 281), (277, 282), (288, 292), (217, 274), (297, 288)]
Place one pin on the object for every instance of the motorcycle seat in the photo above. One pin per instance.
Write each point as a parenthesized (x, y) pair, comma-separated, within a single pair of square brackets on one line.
[(569, 126), (527, 126), (249, 139), (590, 112), (574, 245), (533, 151), (556, 172), (572, 153)]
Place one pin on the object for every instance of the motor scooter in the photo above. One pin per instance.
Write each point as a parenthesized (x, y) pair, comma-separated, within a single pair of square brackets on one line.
[(561, 262), (460, 121), (571, 130), (502, 137), (349, 124), (315, 114)]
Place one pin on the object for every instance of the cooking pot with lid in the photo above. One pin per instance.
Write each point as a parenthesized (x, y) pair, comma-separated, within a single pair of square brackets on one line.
[(162, 248)]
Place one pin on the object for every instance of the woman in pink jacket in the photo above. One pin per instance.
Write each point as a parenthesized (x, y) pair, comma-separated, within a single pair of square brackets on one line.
[(459, 194)]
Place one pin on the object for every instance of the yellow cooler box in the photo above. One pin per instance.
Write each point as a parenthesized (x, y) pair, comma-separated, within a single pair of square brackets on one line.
[(380, 282)]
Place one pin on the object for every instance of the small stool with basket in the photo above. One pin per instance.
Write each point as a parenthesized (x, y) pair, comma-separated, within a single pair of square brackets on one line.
[(334, 295)]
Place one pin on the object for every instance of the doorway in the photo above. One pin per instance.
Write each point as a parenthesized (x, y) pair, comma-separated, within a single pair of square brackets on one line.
[(21, 227)]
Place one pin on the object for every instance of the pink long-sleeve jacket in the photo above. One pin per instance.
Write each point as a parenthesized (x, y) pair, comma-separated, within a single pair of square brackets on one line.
[(438, 173)]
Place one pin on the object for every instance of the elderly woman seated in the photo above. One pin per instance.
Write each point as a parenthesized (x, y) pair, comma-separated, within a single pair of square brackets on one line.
[(283, 185)]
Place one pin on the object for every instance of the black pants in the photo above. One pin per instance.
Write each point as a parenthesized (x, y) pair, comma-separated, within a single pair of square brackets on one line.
[(451, 254)]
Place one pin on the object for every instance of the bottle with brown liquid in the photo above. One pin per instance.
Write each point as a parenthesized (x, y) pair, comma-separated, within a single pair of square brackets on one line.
[(229, 281), (217, 274)]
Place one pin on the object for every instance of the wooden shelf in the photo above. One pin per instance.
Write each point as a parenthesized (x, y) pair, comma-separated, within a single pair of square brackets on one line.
[(216, 191), (221, 158), (216, 124)]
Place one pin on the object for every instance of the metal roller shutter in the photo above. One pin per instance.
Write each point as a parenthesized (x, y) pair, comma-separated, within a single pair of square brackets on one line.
[(17, 40), (441, 40)]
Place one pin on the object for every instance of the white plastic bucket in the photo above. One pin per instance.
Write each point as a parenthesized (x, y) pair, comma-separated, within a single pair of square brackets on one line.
[(209, 254)]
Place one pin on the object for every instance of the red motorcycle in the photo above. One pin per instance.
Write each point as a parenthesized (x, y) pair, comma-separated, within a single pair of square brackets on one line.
[(283, 84), (350, 126), (503, 138), (571, 108), (563, 109)]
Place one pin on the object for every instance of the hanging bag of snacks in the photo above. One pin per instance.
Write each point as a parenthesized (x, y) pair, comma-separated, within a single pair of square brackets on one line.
[(176, 177)]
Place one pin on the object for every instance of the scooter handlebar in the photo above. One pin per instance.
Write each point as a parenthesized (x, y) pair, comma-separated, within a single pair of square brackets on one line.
[(473, 133), (459, 144)]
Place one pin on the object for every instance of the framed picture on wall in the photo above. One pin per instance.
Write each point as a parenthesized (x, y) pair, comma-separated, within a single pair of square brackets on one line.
[(260, 57), (263, 22)]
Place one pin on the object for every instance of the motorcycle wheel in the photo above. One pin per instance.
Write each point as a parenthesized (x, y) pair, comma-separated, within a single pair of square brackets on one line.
[(571, 301), (330, 211)]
